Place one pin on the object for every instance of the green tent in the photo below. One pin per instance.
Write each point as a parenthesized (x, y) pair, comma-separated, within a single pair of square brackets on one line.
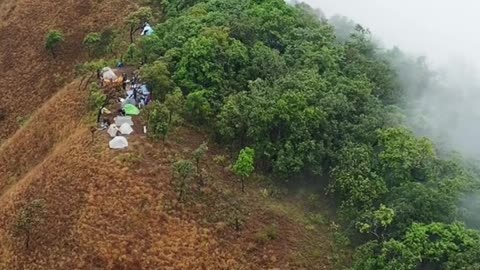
[(130, 109)]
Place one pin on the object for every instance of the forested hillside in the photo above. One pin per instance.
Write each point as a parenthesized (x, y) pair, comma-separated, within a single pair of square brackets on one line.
[(276, 139), (316, 108)]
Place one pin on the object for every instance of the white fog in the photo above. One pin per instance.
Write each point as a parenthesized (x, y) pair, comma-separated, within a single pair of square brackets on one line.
[(446, 33)]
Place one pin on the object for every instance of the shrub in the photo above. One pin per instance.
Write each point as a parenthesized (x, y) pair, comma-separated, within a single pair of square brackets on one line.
[(182, 172), (268, 233), (199, 154), (157, 121), (96, 98), (28, 218), (91, 43), (53, 39)]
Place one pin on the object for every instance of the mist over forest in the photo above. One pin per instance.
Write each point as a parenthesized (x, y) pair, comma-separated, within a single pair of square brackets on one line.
[(440, 100)]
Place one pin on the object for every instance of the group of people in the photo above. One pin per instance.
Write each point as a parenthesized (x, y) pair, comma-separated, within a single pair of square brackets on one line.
[(135, 95), (137, 92)]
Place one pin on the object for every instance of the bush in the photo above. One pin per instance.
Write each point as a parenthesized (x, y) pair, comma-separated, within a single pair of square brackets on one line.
[(97, 98), (53, 39), (99, 44), (91, 42), (244, 165), (28, 218), (157, 120), (182, 172), (268, 233)]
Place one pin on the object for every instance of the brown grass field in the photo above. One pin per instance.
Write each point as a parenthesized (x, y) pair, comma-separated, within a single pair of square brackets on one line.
[(107, 209), (29, 75), (117, 209)]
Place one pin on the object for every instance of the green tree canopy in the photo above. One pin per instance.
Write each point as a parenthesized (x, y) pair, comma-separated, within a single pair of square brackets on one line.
[(432, 246), (312, 100), (157, 76)]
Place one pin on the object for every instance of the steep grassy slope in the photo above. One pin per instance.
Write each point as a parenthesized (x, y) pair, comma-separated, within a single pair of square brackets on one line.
[(105, 209), (116, 210), (48, 126), (29, 76)]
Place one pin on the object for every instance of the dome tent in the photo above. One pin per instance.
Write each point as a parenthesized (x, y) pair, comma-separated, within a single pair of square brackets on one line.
[(126, 129), (118, 142), (119, 120), (131, 109), (108, 74), (112, 130)]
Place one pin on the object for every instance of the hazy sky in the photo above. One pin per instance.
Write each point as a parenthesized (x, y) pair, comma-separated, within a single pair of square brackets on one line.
[(440, 29)]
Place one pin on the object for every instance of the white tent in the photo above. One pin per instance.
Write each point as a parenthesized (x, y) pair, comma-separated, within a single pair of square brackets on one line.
[(147, 30), (112, 130), (108, 74), (118, 142), (126, 129), (120, 120)]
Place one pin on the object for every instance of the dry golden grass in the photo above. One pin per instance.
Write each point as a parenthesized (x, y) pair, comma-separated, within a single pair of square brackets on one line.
[(99, 214), (113, 209), (50, 125), (104, 213), (29, 75)]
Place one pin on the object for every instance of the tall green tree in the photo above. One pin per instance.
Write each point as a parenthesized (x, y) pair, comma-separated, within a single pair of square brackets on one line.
[(198, 108), (212, 61), (175, 102), (356, 181)]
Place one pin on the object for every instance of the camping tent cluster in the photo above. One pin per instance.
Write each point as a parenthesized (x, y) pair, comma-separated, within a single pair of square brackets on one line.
[(135, 95), (121, 128)]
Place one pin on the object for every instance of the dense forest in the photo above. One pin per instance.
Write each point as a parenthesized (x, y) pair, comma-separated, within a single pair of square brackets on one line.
[(315, 103)]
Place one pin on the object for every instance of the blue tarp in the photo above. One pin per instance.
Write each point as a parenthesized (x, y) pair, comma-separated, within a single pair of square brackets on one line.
[(144, 90), (143, 96)]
